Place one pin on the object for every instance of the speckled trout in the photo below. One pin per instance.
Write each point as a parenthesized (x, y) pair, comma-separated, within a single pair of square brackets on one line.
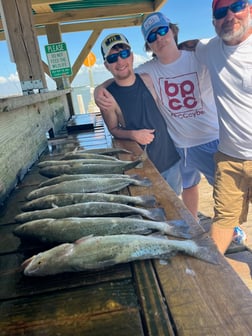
[(103, 151), (73, 162), (77, 155), (87, 185), (91, 209), (49, 201), (102, 251), (68, 230), (66, 177), (92, 168)]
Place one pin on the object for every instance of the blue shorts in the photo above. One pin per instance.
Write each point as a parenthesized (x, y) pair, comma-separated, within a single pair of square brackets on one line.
[(198, 160), (173, 177)]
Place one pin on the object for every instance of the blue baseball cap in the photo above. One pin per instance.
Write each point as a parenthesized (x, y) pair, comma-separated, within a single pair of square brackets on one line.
[(152, 21)]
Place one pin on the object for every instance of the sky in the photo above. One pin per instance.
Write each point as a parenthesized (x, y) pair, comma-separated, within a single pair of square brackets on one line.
[(194, 18)]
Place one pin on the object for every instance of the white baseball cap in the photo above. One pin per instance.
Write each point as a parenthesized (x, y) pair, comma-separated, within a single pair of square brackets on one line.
[(110, 41)]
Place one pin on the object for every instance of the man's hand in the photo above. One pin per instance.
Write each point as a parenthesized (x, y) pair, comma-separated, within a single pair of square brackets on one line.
[(143, 136), (103, 99)]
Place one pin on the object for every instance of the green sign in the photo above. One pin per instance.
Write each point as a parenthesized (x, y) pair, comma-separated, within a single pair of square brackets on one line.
[(58, 60)]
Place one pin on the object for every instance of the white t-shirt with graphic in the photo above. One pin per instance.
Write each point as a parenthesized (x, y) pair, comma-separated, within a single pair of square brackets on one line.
[(186, 99)]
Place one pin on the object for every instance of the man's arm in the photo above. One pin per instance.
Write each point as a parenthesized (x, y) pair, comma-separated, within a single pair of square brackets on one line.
[(115, 122), (103, 99)]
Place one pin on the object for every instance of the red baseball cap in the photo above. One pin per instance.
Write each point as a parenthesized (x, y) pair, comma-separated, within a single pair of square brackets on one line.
[(214, 4)]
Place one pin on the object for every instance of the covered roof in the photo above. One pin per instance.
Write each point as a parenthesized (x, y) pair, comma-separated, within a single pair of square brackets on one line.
[(73, 16)]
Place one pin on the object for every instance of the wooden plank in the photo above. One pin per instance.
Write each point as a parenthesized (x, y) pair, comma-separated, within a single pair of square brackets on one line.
[(205, 299), (8, 242), (155, 312), (111, 309)]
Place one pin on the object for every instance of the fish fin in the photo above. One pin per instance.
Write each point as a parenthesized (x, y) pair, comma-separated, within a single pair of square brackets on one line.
[(132, 164), (206, 250), (156, 214), (106, 263), (139, 178), (55, 206), (133, 176), (157, 234), (145, 182), (178, 228), (148, 200), (143, 232), (82, 239)]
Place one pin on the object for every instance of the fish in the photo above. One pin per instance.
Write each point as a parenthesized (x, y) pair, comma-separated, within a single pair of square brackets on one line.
[(104, 151), (100, 252), (91, 209), (119, 168), (49, 201), (105, 185), (77, 155), (48, 163), (68, 230), (66, 177)]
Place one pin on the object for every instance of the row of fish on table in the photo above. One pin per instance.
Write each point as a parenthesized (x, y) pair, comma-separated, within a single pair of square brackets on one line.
[(78, 209)]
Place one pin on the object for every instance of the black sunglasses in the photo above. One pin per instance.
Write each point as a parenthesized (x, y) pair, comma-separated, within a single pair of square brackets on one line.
[(125, 53), (235, 7), (160, 31)]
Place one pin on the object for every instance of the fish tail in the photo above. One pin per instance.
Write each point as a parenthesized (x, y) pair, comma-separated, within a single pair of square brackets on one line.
[(142, 181), (148, 200), (156, 214), (132, 164), (206, 250), (178, 228)]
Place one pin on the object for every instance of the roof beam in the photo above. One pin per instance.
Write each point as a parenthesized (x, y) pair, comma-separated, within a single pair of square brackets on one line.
[(100, 13), (86, 26), (46, 2)]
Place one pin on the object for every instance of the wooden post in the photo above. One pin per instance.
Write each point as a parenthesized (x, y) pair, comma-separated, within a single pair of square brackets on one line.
[(23, 44)]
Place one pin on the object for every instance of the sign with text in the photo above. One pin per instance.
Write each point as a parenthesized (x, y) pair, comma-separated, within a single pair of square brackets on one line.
[(58, 60)]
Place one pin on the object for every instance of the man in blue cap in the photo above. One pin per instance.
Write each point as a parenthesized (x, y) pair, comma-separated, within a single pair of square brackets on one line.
[(186, 103)]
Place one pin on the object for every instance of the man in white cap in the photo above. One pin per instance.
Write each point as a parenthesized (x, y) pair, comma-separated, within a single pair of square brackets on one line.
[(136, 115)]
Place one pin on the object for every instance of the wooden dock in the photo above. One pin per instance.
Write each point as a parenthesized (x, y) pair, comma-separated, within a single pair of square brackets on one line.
[(182, 297)]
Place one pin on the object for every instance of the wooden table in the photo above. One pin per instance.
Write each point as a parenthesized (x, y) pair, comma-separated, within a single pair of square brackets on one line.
[(184, 297)]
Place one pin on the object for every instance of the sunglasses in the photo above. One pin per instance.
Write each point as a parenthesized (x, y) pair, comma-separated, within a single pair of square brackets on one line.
[(125, 53), (160, 31), (236, 7)]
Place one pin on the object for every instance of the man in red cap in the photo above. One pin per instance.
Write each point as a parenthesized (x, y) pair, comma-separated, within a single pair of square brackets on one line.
[(228, 57)]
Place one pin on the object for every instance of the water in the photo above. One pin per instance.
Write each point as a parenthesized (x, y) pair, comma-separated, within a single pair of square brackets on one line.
[(83, 101)]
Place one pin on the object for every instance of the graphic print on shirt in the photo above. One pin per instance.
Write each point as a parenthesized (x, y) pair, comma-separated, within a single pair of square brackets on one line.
[(182, 95)]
